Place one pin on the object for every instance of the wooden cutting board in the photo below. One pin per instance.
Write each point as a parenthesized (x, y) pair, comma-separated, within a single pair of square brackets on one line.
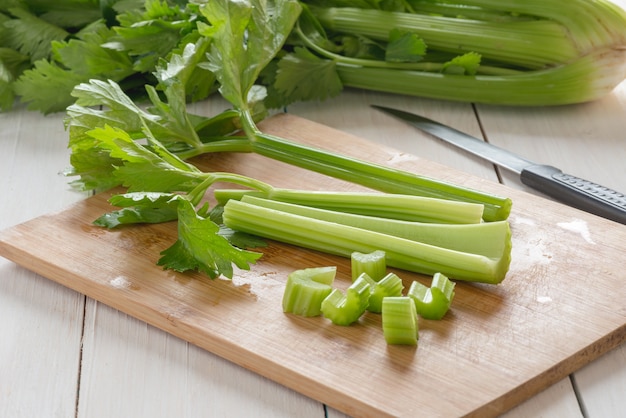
[(560, 307)]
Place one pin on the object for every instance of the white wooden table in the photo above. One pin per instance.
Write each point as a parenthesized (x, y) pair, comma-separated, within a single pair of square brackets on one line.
[(65, 355)]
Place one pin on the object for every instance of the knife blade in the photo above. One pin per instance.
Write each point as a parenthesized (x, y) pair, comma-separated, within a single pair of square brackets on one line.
[(566, 188)]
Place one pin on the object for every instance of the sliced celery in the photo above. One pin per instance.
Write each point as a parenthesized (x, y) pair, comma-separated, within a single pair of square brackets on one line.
[(342, 240), (373, 264), (390, 285), (306, 289), (432, 302), (399, 319), (345, 309)]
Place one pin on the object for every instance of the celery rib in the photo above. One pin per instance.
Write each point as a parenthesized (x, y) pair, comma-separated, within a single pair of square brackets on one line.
[(487, 238), (343, 240)]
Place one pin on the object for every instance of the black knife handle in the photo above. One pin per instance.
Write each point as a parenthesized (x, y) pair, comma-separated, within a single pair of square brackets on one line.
[(579, 193)]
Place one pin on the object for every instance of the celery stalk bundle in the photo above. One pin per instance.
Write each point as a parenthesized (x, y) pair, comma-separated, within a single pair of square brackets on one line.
[(514, 52)]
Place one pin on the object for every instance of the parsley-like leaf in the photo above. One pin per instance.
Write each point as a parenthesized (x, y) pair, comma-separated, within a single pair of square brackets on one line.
[(143, 169), (31, 35), (200, 247), (404, 46), (246, 36), (466, 64), (304, 76), (140, 207)]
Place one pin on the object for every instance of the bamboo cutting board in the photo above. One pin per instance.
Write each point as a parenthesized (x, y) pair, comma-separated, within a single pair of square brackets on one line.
[(560, 307)]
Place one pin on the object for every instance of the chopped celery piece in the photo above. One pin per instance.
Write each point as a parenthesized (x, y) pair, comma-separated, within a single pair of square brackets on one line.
[(345, 309), (390, 285), (306, 289), (432, 302), (399, 319), (374, 264), (333, 238)]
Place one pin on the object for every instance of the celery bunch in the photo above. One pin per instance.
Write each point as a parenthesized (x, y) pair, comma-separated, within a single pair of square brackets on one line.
[(513, 52)]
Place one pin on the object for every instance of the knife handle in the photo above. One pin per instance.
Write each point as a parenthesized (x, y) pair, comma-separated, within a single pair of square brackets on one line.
[(579, 193)]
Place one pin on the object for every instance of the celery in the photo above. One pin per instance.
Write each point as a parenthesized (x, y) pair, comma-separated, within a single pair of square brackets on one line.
[(345, 309), (342, 240), (432, 302), (394, 206), (491, 239), (399, 319), (373, 264), (390, 285), (536, 52), (306, 289)]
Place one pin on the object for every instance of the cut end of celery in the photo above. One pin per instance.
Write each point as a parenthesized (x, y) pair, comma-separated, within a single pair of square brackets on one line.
[(399, 319), (306, 289)]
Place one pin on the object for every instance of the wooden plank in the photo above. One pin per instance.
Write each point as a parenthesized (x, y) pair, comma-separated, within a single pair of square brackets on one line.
[(499, 346), (41, 322)]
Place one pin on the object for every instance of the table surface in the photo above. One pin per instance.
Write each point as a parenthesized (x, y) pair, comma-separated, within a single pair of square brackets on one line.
[(63, 354)]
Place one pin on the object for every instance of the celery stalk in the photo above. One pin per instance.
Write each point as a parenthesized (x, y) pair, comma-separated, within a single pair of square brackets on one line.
[(342, 240), (393, 206), (345, 309), (527, 43), (399, 319), (373, 264), (374, 176), (587, 78), (306, 289), (490, 239)]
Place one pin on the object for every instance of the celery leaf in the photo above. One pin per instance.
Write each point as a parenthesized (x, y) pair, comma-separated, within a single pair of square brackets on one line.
[(200, 247), (466, 64), (404, 46), (142, 168), (246, 36), (46, 87), (302, 75), (31, 35), (139, 207)]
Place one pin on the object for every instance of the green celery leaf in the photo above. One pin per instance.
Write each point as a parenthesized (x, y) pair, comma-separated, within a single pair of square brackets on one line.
[(67, 13), (87, 56), (31, 35), (361, 47), (466, 64), (304, 76), (143, 169), (404, 46), (47, 87), (246, 36), (184, 65), (200, 247), (147, 207), (168, 121)]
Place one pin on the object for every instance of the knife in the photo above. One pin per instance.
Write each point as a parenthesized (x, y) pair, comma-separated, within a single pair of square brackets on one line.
[(571, 190)]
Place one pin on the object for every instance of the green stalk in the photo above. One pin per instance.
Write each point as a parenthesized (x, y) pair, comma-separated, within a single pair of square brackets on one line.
[(490, 239), (584, 79), (390, 206), (590, 24), (530, 44), (343, 240), (370, 175)]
